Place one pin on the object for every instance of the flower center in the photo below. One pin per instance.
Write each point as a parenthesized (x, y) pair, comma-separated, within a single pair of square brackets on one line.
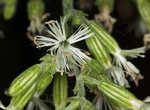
[(64, 43)]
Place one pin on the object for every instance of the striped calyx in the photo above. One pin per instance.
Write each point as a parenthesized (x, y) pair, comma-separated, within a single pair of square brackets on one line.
[(120, 95), (18, 102), (45, 79), (24, 80), (60, 91), (99, 51)]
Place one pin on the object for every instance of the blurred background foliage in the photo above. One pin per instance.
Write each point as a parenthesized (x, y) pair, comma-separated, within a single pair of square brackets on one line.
[(17, 52)]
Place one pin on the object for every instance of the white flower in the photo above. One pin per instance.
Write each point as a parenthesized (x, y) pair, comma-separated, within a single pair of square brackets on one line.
[(131, 69), (60, 45)]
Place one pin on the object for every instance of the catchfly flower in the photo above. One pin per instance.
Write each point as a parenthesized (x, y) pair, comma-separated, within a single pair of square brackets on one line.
[(130, 68), (67, 56)]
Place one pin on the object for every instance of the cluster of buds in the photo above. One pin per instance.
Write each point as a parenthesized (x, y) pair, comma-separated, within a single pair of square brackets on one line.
[(30, 83), (118, 96), (103, 45)]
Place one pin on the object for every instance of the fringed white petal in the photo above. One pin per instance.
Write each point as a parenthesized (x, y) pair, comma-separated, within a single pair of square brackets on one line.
[(58, 30), (45, 41), (134, 53), (81, 34), (130, 69), (80, 56), (62, 21), (53, 50), (2, 106), (117, 75), (128, 66)]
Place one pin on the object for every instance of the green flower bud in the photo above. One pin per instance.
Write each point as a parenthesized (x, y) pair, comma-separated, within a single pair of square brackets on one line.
[(106, 39), (24, 80), (35, 8), (99, 51), (9, 9), (48, 69), (120, 95), (43, 83), (18, 102), (102, 3), (67, 6)]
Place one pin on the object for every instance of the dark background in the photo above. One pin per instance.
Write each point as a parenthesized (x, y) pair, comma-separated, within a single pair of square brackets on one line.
[(17, 52)]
